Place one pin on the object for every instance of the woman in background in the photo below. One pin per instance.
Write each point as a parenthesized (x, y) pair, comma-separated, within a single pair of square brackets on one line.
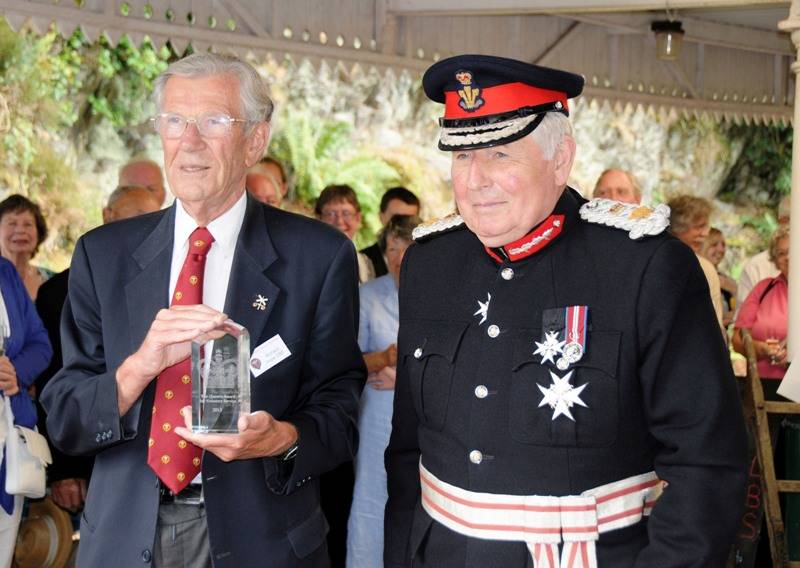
[(377, 336), (714, 250), (22, 231), (765, 313), (26, 353)]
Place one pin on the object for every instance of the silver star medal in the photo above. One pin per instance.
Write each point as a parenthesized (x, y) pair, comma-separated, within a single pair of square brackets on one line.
[(561, 396), (550, 347), (483, 308), (260, 302)]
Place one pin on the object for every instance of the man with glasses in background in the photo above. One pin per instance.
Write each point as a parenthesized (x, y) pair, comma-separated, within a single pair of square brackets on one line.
[(141, 290)]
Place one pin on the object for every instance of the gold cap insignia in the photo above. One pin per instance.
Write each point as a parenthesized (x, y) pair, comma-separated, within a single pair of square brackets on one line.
[(470, 93)]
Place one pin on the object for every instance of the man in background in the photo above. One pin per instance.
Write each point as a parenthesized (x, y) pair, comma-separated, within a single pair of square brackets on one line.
[(144, 172), (69, 475), (395, 201), (619, 185)]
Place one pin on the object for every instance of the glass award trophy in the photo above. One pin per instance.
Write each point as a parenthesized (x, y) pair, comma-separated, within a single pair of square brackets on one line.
[(220, 379)]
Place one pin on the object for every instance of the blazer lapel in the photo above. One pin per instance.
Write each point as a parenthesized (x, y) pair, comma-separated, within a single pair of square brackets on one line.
[(148, 291), (251, 295)]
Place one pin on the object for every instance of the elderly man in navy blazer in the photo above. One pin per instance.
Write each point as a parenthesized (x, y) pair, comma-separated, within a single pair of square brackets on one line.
[(140, 290)]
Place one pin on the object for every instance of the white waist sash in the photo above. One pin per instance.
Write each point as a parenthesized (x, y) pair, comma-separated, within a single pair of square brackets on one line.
[(542, 522)]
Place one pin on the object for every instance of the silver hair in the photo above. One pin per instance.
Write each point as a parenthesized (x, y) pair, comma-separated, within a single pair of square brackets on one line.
[(256, 103), (551, 132)]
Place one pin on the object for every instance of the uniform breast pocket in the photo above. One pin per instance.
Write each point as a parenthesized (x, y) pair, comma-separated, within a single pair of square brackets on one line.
[(593, 425), (429, 350)]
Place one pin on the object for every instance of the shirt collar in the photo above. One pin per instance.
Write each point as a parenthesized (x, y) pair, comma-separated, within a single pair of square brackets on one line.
[(563, 216), (225, 228)]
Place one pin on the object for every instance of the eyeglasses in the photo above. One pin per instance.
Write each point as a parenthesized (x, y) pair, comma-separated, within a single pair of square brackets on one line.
[(343, 215), (210, 125)]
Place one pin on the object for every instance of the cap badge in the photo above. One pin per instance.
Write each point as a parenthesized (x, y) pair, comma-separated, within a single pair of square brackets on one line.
[(470, 93)]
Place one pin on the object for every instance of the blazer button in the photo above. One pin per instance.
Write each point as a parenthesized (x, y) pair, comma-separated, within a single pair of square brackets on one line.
[(476, 457), (417, 352), (146, 555), (97, 438), (507, 273), (493, 331), (481, 391)]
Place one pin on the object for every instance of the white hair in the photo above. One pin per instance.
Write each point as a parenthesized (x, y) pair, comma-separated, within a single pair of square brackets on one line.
[(256, 103), (551, 132)]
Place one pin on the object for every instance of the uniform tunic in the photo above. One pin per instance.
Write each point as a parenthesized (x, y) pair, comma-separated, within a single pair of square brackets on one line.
[(660, 394)]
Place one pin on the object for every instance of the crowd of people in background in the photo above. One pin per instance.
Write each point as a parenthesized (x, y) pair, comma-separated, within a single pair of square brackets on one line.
[(354, 494)]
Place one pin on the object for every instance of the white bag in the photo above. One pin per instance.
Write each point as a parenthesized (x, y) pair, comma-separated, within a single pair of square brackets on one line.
[(27, 454)]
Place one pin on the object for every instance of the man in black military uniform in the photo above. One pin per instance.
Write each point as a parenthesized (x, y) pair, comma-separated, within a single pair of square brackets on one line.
[(563, 395)]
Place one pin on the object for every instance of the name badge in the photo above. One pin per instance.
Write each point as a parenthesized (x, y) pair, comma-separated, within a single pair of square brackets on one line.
[(268, 354)]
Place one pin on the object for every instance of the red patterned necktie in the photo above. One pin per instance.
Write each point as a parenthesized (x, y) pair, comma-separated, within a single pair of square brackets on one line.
[(175, 461)]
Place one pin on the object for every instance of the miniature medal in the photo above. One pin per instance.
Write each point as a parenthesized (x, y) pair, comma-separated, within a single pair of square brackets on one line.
[(550, 347), (575, 332)]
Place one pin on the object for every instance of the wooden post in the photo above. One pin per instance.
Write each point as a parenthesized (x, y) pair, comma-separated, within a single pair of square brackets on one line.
[(792, 24)]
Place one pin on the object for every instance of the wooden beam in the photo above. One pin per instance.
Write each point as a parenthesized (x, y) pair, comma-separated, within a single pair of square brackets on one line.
[(697, 31), (523, 7), (246, 17), (542, 58), (677, 73), (219, 38)]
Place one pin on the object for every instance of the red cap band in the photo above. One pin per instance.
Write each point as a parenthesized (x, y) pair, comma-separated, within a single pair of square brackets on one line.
[(501, 99)]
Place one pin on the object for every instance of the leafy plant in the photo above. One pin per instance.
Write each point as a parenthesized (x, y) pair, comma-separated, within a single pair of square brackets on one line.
[(319, 152), (763, 172)]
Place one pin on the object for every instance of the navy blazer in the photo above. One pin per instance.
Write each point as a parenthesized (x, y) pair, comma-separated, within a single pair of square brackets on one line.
[(260, 511)]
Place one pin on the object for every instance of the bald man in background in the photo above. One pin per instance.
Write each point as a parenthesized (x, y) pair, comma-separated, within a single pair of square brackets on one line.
[(619, 185), (144, 172), (69, 475)]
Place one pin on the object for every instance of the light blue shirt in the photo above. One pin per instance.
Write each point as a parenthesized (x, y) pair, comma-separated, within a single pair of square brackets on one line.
[(377, 330)]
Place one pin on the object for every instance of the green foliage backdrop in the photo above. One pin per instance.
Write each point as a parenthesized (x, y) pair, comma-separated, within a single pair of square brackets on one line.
[(72, 111)]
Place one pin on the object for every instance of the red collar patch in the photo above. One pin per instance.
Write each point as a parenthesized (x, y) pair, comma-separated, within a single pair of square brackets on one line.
[(531, 243)]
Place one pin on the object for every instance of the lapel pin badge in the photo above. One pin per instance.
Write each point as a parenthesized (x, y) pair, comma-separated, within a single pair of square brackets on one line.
[(260, 302)]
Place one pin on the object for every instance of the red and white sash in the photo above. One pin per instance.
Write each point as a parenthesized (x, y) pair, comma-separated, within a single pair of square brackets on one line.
[(543, 522)]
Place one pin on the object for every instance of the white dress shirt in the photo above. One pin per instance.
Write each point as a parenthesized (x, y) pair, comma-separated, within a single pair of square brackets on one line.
[(225, 230)]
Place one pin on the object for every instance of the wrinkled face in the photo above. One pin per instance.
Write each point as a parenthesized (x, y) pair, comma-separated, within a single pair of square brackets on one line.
[(715, 249), (18, 234), (397, 207), (782, 256), (504, 191), (395, 250), (265, 189), (209, 173), (616, 185), (144, 174), (696, 234), (342, 215)]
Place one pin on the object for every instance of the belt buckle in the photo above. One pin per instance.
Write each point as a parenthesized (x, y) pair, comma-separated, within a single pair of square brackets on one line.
[(192, 494)]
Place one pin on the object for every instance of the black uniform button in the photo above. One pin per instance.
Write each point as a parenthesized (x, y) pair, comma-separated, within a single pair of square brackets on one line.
[(507, 273), (146, 555), (493, 331), (476, 457), (481, 391)]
